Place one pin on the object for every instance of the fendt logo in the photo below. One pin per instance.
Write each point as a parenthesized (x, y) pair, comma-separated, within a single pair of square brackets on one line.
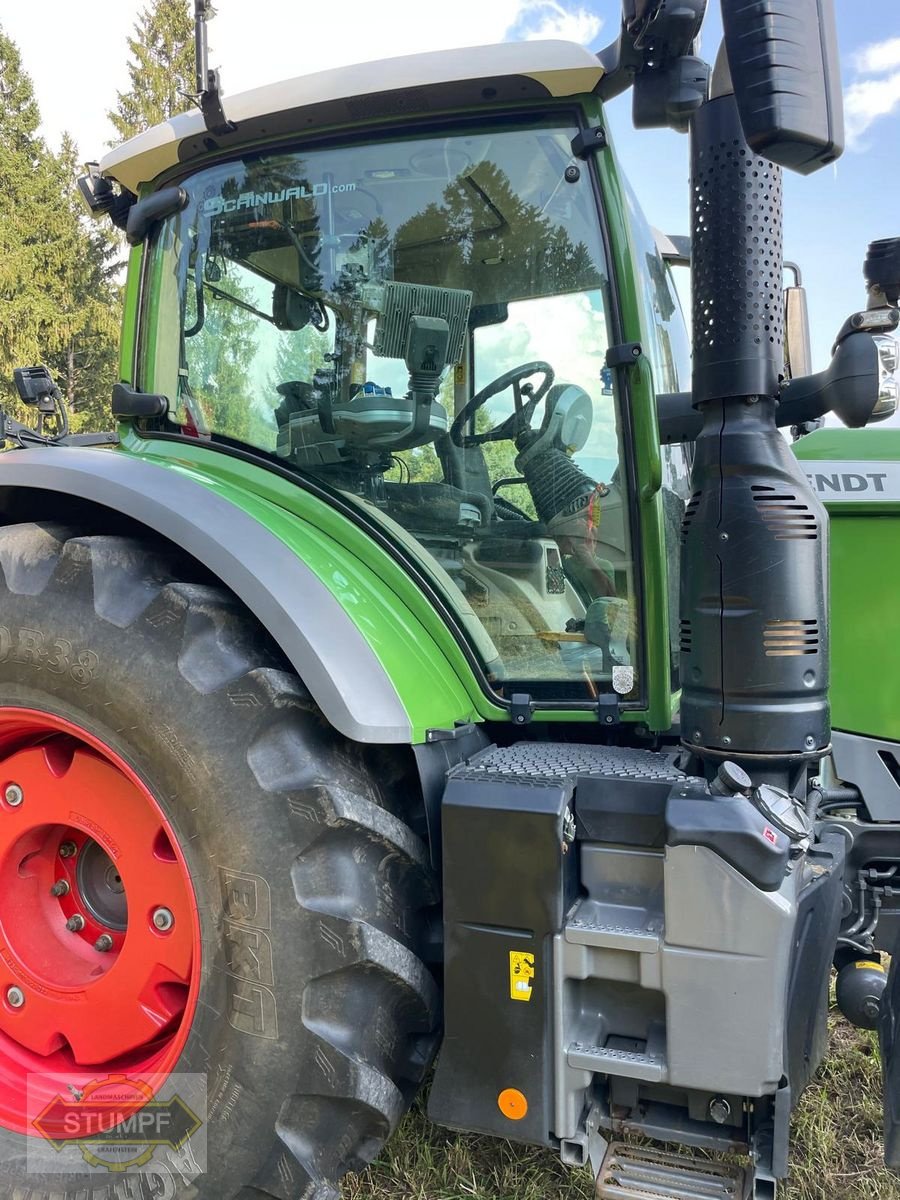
[(855, 480)]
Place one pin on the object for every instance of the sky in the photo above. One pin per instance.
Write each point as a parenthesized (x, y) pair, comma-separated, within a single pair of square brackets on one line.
[(830, 217)]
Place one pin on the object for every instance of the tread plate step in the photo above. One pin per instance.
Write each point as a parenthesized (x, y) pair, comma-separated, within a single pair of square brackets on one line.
[(633, 1173), (630, 1064), (586, 932)]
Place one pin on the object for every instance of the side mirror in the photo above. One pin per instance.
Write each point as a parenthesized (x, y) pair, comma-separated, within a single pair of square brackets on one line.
[(153, 208), (784, 65)]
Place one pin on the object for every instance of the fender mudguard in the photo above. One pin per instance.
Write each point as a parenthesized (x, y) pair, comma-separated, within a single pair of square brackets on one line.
[(316, 634)]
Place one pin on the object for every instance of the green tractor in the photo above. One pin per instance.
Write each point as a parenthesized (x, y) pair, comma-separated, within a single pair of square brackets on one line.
[(434, 665)]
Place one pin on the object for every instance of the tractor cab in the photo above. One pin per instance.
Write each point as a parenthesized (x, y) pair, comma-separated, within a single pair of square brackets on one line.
[(419, 321)]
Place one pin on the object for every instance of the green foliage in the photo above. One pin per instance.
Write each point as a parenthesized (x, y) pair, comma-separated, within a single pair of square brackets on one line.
[(161, 68), (481, 222), (219, 359), (58, 296), (299, 355)]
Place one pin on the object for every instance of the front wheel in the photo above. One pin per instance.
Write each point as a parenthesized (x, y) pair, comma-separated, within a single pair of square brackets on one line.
[(199, 881)]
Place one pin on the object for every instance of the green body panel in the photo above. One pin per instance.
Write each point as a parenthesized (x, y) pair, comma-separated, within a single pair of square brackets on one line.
[(417, 651), (432, 674), (130, 315), (864, 566), (652, 545)]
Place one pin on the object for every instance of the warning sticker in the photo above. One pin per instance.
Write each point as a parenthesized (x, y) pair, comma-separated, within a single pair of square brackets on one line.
[(521, 973)]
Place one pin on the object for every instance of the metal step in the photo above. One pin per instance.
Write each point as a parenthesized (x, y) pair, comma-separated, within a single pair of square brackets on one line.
[(649, 1065), (615, 926), (633, 1173), (585, 932)]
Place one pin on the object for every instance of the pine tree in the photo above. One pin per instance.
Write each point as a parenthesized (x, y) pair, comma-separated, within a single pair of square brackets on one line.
[(58, 302), (161, 68), (86, 367)]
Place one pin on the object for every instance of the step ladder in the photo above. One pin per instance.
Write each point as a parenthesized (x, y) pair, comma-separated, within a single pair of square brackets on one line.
[(635, 1173)]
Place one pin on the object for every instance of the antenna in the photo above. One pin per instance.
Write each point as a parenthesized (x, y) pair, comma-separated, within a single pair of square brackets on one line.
[(209, 88)]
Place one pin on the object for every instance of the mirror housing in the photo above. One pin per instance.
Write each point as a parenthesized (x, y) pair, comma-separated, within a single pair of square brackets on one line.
[(153, 208), (785, 70)]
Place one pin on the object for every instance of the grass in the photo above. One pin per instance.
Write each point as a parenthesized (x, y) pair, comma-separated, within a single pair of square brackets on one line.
[(836, 1147)]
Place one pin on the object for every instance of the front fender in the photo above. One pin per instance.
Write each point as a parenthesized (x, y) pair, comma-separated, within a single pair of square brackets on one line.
[(327, 611)]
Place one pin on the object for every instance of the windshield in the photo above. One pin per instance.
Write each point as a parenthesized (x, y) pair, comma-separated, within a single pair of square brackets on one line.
[(422, 325)]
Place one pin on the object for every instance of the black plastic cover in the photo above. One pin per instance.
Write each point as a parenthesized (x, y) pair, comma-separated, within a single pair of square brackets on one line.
[(818, 921), (508, 881), (630, 812), (127, 402), (152, 209), (889, 1037), (784, 66), (731, 827), (882, 267), (754, 617)]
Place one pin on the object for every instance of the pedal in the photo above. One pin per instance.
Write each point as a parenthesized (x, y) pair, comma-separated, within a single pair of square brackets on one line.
[(634, 1173)]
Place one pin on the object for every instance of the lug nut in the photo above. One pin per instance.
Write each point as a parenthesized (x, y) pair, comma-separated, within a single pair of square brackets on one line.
[(163, 919), (75, 923), (60, 888), (13, 795), (15, 997), (68, 850), (103, 943)]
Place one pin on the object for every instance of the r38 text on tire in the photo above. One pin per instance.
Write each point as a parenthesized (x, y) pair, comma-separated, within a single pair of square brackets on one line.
[(56, 655)]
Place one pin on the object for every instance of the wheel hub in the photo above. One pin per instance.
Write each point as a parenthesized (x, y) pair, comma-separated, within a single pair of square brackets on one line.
[(100, 888), (87, 860)]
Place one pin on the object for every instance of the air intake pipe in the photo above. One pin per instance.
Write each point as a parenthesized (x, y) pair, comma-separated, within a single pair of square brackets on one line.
[(754, 629)]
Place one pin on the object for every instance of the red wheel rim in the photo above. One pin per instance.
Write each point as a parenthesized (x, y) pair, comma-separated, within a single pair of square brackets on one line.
[(99, 930)]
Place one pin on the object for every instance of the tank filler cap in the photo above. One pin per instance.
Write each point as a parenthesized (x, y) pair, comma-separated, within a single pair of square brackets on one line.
[(782, 810), (731, 780)]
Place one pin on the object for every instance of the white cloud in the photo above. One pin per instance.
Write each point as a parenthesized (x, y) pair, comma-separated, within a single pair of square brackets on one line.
[(554, 20), (865, 102), (876, 94), (880, 56)]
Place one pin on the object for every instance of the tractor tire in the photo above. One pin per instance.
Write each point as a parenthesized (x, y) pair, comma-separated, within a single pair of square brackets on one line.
[(154, 741)]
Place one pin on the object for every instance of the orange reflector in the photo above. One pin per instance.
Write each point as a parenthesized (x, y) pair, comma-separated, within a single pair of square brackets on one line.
[(512, 1104)]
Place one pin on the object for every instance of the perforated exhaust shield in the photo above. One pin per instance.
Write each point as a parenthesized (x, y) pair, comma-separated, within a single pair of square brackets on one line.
[(736, 252)]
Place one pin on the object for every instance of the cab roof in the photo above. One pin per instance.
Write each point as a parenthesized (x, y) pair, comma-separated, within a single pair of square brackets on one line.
[(413, 85)]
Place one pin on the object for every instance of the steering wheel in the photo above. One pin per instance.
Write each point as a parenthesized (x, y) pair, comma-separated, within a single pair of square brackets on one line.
[(526, 400)]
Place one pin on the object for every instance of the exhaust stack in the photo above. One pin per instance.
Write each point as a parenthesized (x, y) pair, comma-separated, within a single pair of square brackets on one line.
[(753, 593), (754, 619)]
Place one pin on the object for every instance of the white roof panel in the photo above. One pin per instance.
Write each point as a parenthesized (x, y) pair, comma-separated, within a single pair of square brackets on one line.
[(560, 68)]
